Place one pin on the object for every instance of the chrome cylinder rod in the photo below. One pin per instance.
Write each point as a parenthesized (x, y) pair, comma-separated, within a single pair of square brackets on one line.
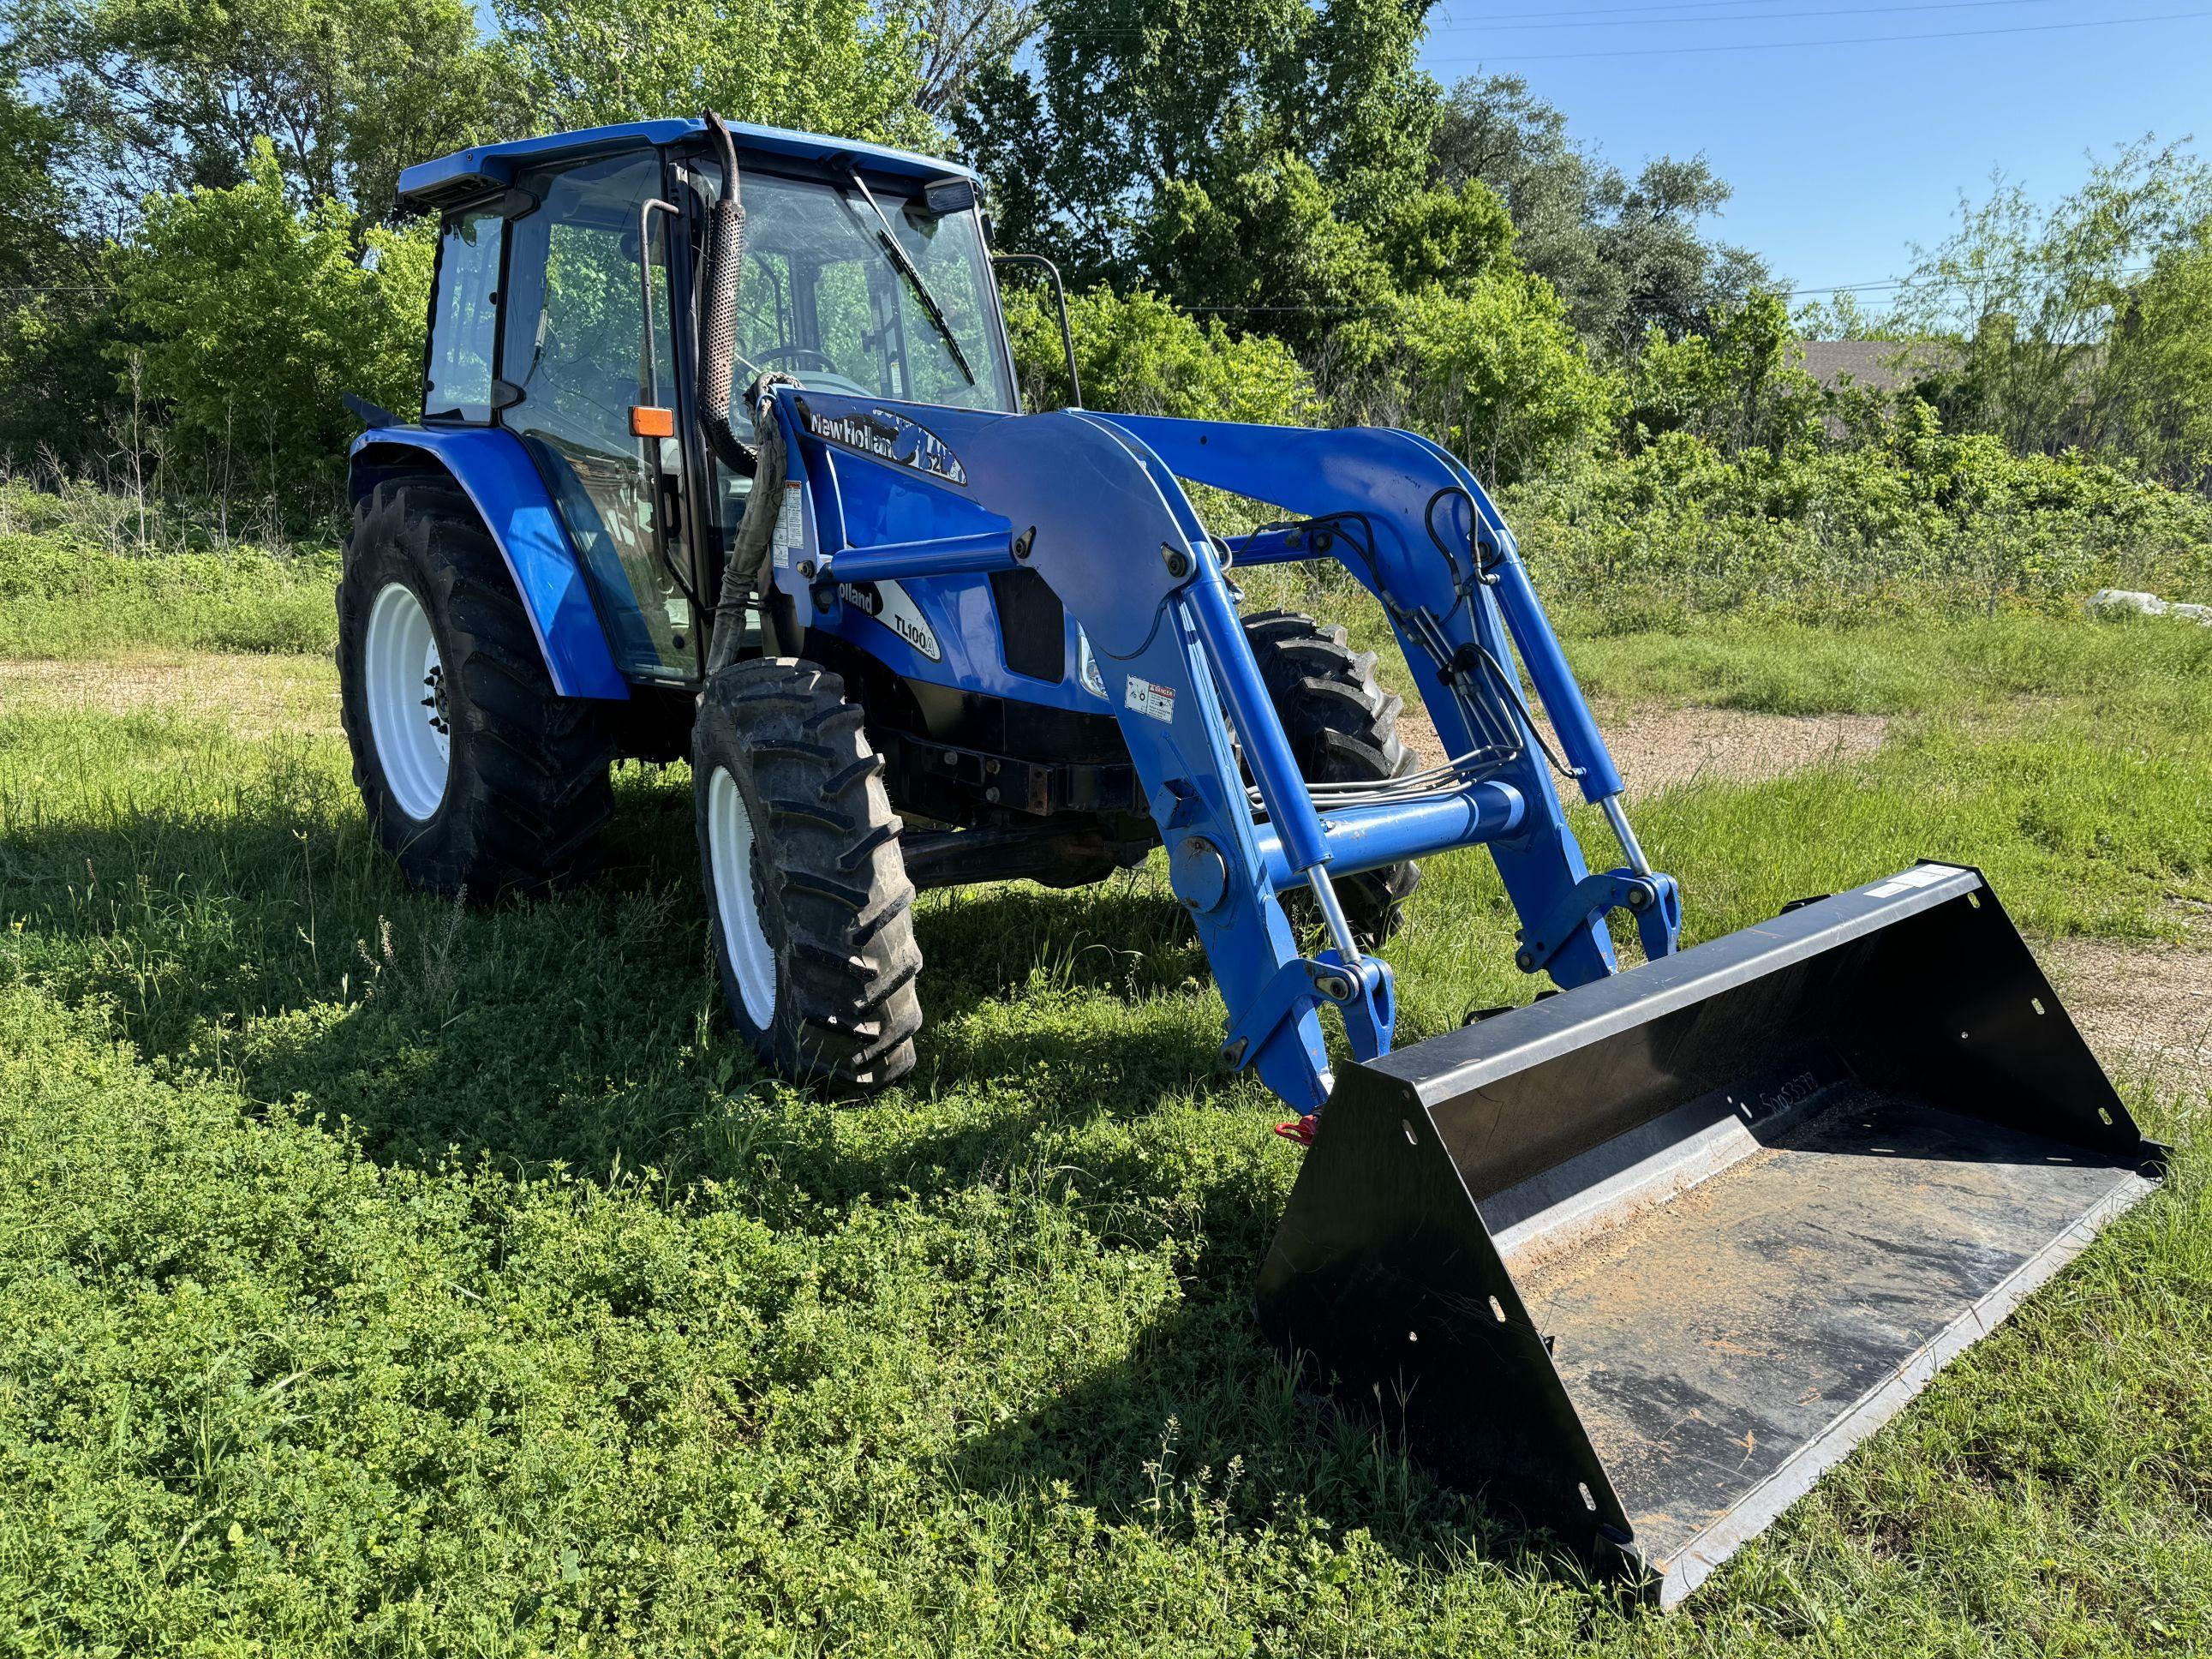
[(1339, 930), (1617, 816)]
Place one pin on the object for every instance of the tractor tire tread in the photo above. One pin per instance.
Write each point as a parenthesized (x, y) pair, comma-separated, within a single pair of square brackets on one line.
[(1343, 728), (838, 904), (528, 790)]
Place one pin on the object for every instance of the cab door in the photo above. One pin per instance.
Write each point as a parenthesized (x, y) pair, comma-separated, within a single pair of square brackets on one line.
[(585, 356)]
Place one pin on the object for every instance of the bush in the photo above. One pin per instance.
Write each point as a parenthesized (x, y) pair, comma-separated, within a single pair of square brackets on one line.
[(258, 317), (1921, 519), (1140, 356)]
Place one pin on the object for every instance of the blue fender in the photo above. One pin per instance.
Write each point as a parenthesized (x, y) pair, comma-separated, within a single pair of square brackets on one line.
[(491, 465)]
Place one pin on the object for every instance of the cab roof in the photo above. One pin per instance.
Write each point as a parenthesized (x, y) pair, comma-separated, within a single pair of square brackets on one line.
[(492, 166)]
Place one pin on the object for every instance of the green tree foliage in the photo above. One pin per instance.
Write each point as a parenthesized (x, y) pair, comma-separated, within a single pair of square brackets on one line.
[(2030, 295), (57, 304), (1229, 153), (171, 95), (1627, 255), (1138, 355), (30, 207), (838, 66), (2161, 364), (1735, 388), (1490, 368), (258, 317)]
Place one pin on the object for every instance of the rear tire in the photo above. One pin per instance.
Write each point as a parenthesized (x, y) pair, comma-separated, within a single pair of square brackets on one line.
[(1343, 728), (808, 901), (479, 777)]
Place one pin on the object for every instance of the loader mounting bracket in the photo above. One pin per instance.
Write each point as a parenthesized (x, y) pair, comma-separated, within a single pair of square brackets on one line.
[(1360, 991), (1654, 900)]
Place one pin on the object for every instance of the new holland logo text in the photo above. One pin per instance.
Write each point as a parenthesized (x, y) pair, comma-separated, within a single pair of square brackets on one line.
[(891, 437)]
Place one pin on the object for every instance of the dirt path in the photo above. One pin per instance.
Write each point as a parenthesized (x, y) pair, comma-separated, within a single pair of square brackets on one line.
[(256, 696), (2145, 1009), (1658, 748)]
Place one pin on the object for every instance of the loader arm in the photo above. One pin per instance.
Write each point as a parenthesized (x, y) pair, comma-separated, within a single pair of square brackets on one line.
[(1093, 504)]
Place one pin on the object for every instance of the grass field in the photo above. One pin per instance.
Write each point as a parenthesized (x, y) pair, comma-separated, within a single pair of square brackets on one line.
[(381, 1276)]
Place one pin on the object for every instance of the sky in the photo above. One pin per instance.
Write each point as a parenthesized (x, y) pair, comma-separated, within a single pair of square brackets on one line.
[(1848, 128)]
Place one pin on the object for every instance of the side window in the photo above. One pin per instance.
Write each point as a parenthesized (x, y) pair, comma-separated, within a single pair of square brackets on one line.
[(574, 350), (466, 319)]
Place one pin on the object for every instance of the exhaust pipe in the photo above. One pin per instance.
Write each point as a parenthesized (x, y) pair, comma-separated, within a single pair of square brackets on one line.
[(1640, 1261)]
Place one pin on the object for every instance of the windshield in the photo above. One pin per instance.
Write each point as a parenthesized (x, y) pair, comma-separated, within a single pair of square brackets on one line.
[(823, 300)]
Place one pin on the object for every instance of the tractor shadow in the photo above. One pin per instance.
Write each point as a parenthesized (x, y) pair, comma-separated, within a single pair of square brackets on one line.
[(276, 944)]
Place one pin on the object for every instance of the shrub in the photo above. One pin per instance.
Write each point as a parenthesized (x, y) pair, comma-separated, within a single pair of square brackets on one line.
[(258, 317), (1138, 355), (1923, 518)]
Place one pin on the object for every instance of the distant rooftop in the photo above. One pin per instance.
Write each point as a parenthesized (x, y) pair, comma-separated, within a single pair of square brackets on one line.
[(1877, 365)]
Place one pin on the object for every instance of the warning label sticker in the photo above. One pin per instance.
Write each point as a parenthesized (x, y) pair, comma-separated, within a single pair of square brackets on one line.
[(789, 531), (1924, 875), (1148, 698)]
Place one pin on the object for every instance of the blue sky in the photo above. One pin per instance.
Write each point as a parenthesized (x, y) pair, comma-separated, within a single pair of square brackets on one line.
[(1843, 154)]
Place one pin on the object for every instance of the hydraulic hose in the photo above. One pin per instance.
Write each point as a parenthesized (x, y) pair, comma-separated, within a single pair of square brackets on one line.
[(747, 571)]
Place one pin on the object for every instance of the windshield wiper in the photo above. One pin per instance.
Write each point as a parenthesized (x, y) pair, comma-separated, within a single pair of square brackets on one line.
[(906, 267)]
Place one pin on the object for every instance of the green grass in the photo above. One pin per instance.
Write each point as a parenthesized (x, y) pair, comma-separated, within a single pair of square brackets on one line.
[(61, 598), (379, 1275)]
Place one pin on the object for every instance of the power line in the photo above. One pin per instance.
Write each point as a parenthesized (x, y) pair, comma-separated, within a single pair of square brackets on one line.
[(1758, 17), (1846, 41), (1504, 22), (1614, 11)]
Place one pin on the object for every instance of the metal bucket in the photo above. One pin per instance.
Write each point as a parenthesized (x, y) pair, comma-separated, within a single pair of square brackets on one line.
[(1639, 1260)]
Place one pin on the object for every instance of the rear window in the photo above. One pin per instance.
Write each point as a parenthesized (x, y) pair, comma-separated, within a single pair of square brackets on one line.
[(465, 318)]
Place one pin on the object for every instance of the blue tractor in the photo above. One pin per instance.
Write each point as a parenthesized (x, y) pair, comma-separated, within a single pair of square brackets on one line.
[(722, 460)]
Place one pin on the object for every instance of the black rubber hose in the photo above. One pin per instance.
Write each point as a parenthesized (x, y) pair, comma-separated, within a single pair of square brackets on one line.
[(748, 570), (718, 332)]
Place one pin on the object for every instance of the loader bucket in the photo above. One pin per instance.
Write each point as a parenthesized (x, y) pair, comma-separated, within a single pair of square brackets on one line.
[(1639, 1260)]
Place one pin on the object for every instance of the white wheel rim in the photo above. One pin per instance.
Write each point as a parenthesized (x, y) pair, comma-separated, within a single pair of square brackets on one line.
[(404, 684), (730, 852)]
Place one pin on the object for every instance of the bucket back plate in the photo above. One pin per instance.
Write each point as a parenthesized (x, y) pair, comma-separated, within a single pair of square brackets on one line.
[(1638, 1262)]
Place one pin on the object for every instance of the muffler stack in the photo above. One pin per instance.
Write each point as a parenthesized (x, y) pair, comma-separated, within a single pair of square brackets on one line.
[(1638, 1262)]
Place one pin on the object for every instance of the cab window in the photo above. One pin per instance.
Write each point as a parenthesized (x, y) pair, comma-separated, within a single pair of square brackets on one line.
[(464, 320)]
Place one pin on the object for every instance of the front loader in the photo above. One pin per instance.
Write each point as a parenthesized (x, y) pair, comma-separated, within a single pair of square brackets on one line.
[(721, 459)]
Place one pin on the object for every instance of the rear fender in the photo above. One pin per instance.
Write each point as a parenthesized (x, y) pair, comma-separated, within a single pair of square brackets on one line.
[(492, 466)]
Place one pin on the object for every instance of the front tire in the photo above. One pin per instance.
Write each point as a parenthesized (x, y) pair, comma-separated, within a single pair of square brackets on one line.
[(1342, 728), (808, 901), (479, 777)]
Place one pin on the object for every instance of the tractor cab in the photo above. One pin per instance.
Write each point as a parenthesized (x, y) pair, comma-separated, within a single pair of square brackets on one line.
[(561, 263)]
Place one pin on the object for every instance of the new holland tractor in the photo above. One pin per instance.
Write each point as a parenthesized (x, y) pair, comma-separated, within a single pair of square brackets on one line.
[(722, 460)]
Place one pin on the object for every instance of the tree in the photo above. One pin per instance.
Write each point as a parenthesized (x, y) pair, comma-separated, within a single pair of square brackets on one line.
[(1491, 369), (960, 38), (836, 66), (1624, 254), (1138, 355), (173, 94), (1736, 389), (30, 194), (2029, 297), (1232, 154), (2161, 364), (257, 316)]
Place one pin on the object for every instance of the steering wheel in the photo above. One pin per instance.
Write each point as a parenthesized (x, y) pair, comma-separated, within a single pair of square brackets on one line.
[(791, 354)]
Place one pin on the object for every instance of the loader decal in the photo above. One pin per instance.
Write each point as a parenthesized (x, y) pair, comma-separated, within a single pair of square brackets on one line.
[(894, 607), (887, 436)]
